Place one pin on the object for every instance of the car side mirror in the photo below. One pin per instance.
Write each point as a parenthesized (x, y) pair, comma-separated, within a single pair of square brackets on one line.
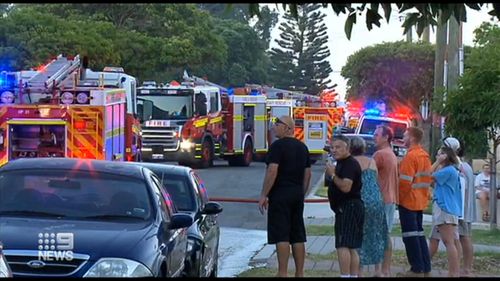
[(212, 208), (180, 221)]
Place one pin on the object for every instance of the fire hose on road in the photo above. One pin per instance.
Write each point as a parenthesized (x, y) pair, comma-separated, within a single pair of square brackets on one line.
[(248, 200)]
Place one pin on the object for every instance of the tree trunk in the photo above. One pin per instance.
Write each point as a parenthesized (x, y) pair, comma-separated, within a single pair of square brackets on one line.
[(493, 186)]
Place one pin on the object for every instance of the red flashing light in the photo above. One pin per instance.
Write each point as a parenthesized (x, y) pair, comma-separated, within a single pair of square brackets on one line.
[(80, 125)]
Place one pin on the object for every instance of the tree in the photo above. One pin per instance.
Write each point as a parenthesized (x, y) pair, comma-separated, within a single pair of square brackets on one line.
[(266, 23), (155, 41), (239, 12), (426, 14), (245, 49), (394, 72), (301, 59), (472, 112)]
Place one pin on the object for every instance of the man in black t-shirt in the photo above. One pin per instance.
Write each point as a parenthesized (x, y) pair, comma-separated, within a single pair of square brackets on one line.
[(285, 185), (344, 194)]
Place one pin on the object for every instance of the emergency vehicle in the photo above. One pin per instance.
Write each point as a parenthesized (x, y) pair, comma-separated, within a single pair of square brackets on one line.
[(313, 125), (56, 113), (399, 120), (198, 121)]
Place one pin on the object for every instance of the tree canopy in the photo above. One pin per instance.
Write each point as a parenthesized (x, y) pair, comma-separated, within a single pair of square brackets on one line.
[(472, 112), (150, 41), (421, 15), (300, 60), (392, 72)]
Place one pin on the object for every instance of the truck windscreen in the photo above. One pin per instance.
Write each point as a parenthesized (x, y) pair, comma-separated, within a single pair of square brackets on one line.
[(369, 126), (164, 107)]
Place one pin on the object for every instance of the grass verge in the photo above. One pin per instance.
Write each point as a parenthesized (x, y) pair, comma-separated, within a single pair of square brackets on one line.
[(479, 236), (484, 264)]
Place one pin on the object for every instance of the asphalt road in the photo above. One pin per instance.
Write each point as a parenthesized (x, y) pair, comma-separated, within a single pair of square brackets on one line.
[(223, 181)]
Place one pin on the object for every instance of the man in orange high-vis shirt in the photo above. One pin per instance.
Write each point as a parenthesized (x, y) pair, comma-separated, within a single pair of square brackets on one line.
[(414, 183)]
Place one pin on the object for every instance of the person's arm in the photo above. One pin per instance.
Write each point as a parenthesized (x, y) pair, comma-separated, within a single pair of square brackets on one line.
[(270, 177), (307, 180), (477, 182), (344, 184)]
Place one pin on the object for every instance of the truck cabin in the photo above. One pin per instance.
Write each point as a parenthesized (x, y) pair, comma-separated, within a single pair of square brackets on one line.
[(156, 103)]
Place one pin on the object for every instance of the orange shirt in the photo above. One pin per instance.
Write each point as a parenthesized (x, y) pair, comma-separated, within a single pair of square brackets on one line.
[(387, 166), (415, 179)]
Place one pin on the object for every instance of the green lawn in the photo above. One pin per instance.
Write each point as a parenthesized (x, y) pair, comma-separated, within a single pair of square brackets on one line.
[(322, 190), (479, 236), (484, 264)]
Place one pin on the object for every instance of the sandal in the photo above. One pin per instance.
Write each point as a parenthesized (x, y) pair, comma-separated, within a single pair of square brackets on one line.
[(486, 216)]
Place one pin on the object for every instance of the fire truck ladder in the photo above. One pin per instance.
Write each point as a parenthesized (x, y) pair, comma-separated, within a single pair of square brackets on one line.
[(53, 73), (92, 131)]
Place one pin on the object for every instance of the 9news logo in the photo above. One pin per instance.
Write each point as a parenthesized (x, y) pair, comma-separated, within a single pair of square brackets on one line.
[(55, 246)]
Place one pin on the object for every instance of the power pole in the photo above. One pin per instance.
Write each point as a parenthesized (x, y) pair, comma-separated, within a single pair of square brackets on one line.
[(441, 41)]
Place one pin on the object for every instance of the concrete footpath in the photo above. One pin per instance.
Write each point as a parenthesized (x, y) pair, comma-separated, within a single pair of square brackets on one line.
[(321, 214)]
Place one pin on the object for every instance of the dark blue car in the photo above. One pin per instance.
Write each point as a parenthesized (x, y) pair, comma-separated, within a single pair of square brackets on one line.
[(89, 218), (190, 196)]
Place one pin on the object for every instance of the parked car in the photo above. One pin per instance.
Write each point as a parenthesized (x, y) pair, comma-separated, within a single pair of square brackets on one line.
[(89, 218), (4, 266), (190, 196)]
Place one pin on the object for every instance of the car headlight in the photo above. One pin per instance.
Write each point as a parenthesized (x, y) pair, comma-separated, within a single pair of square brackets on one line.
[(186, 145), (117, 267)]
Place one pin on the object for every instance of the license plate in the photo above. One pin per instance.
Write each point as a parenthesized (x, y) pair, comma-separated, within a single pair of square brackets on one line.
[(157, 156)]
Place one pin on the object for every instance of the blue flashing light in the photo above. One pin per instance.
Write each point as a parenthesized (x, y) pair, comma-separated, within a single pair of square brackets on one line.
[(373, 111), (254, 92), (230, 91), (7, 80)]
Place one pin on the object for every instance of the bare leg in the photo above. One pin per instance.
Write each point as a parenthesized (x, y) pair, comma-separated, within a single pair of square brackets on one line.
[(386, 264), (299, 253), (468, 251), (448, 236), (354, 262), (378, 270), (484, 201), (344, 256), (433, 246), (283, 253)]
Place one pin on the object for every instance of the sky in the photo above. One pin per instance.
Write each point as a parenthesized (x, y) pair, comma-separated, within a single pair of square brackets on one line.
[(341, 48)]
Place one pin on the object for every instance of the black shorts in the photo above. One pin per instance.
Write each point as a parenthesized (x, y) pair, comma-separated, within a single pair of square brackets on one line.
[(285, 219), (349, 220)]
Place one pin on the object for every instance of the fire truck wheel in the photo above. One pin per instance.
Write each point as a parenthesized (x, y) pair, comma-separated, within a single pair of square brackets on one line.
[(206, 155), (247, 154)]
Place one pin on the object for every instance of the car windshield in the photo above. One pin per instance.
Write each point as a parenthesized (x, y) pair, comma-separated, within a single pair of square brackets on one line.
[(179, 188), (164, 107), (369, 126), (74, 194)]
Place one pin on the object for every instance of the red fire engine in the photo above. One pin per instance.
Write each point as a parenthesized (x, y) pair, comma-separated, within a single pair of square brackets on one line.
[(314, 121), (198, 121), (58, 111)]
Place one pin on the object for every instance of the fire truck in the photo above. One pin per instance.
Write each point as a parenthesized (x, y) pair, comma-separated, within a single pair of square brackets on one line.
[(197, 121), (60, 111), (313, 125)]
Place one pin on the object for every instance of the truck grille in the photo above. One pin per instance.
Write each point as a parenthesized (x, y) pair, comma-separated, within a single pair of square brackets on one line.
[(165, 137), (28, 263)]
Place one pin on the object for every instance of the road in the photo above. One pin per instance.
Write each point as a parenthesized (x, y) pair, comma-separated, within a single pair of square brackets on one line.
[(241, 182), (243, 228)]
